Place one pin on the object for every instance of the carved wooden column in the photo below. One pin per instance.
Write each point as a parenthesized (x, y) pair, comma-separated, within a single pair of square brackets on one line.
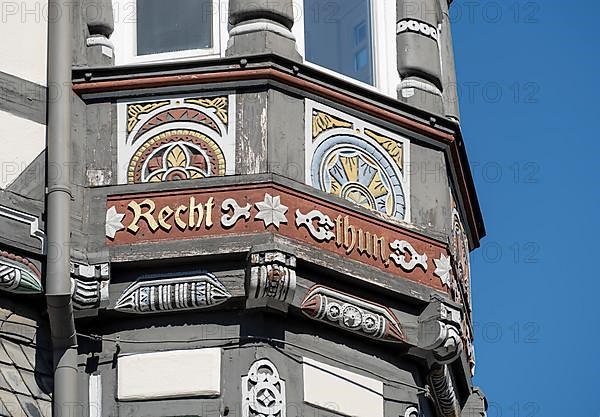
[(262, 26), (417, 41), (450, 90)]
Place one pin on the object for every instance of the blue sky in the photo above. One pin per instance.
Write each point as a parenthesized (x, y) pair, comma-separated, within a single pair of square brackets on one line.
[(534, 156)]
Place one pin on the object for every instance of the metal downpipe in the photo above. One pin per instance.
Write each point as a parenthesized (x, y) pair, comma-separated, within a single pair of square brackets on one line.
[(58, 209)]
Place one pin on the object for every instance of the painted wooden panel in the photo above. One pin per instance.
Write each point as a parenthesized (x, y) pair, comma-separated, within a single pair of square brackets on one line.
[(176, 139), (170, 374), (357, 161), (256, 208), (341, 391)]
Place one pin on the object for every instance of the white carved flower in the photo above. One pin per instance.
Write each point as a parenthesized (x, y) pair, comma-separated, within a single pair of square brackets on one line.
[(443, 268), (271, 211), (113, 222)]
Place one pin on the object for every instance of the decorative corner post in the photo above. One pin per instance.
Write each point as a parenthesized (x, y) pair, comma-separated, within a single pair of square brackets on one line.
[(417, 43), (262, 26), (450, 91)]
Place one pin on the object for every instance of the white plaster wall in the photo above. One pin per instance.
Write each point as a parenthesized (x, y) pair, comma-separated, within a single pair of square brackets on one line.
[(24, 37), (21, 141), (170, 374), (344, 392)]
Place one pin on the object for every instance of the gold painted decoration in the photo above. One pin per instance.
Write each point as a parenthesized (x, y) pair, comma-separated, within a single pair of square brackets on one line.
[(176, 155), (349, 158), (322, 121), (183, 138), (135, 111), (356, 177), (393, 148), (358, 172), (217, 104)]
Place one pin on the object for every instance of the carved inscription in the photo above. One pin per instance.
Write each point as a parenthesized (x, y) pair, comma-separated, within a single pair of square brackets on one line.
[(272, 208)]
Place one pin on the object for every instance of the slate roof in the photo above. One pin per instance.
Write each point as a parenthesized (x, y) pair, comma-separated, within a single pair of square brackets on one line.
[(25, 362)]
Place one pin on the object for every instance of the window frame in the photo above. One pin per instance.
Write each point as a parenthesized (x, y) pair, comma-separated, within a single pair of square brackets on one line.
[(385, 71), (125, 38), (383, 12)]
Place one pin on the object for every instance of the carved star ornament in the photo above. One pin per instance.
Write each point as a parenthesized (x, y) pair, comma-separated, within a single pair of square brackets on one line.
[(271, 211)]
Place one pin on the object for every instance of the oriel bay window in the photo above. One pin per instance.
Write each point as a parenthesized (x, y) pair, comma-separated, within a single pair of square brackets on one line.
[(338, 36), (165, 30), (349, 39), (173, 25), (352, 39)]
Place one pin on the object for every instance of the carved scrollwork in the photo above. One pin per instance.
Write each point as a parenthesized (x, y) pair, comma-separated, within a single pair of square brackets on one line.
[(272, 275), (412, 411), (402, 248), (237, 212), (19, 275), (440, 331), (450, 345), (89, 285), (323, 231)]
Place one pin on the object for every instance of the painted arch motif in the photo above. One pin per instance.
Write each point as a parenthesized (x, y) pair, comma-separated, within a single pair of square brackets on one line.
[(357, 162), (176, 155), (176, 139), (361, 175)]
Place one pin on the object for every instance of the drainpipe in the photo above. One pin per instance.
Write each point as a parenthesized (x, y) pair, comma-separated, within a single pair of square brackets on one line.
[(58, 209)]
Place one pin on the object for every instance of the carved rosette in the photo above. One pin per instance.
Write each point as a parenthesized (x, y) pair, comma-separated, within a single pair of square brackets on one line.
[(263, 391), (175, 294), (356, 161), (352, 314), (272, 275), (19, 275)]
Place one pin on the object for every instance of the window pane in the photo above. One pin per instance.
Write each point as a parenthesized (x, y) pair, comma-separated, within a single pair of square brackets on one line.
[(338, 36), (173, 25)]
